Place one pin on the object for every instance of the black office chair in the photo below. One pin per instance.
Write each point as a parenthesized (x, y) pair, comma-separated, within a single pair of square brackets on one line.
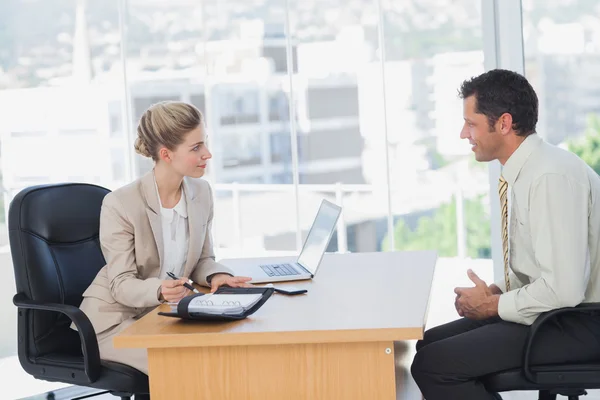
[(53, 232), (568, 380)]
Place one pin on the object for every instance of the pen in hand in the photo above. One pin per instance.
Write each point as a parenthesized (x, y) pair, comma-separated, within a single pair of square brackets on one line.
[(186, 284)]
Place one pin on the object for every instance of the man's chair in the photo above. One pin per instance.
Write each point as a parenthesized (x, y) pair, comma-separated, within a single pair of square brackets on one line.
[(53, 232), (568, 380)]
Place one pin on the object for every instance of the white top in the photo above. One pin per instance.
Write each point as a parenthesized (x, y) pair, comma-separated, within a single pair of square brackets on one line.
[(176, 237), (554, 252)]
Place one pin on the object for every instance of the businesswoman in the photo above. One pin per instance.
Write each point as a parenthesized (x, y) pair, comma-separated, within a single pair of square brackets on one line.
[(160, 223)]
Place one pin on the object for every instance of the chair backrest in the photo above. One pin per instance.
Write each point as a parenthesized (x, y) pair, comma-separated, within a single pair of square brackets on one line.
[(53, 233)]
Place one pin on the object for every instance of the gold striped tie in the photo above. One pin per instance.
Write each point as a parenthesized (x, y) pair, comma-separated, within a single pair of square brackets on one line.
[(503, 190)]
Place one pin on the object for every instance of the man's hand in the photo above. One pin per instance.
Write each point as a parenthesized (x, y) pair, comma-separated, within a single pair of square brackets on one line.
[(457, 306), (495, 289), (478, 302), (225, 279)]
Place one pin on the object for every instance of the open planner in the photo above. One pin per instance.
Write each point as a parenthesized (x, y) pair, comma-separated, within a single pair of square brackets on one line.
[(224, 304)]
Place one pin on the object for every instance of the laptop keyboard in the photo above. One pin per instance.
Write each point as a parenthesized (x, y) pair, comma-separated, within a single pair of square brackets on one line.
[(280, 270)]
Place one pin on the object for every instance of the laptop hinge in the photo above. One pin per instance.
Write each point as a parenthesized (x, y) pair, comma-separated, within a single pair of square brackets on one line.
[(306, 270)]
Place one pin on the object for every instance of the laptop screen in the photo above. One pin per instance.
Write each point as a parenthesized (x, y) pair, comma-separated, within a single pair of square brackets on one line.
[(319, 235)]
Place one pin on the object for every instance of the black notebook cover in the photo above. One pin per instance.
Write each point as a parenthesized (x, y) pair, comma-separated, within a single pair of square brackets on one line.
[(182, 307)]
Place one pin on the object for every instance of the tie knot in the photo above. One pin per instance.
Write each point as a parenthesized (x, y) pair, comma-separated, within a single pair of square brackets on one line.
[(502, 180)]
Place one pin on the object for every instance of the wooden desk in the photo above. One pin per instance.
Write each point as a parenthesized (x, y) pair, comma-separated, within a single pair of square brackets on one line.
[(335, 342)]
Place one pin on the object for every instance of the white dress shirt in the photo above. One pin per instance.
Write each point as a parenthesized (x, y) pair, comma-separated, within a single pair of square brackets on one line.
[(176, 237), (554, 232)]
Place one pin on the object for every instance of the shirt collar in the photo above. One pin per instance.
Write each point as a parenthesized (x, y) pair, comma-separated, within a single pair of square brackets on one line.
[(515, 162), (180, 208)]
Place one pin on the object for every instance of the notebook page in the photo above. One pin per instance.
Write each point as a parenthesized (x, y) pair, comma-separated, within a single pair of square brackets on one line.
[(226, 300), (223, 303)]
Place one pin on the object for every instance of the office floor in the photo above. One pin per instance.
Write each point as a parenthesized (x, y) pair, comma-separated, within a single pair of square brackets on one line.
[(449, 274), (594, 395)]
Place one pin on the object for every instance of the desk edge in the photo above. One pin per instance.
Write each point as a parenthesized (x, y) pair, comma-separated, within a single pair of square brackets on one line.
[(216, 339)]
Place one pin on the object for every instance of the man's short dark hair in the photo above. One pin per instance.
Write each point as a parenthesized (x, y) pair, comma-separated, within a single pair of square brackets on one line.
[(501, 91)]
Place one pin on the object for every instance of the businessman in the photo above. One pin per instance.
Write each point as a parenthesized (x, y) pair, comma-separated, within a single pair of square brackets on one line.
[(550, 255)]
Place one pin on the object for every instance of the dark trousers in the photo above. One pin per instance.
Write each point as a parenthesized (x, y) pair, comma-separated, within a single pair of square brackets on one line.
[(452, 357)]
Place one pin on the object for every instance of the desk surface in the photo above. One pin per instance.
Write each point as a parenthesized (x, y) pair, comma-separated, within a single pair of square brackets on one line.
[(357, 297)]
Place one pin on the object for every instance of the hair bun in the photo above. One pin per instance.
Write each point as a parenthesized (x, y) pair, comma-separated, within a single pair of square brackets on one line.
[(141, 148)]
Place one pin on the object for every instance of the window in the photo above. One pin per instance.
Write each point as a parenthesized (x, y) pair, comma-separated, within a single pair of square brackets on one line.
[(118, 161), (328, 102), (333, 101), (142, 103), (199, 101), (61, 96), (241, 149), (239, 107), (439, 195), (278, 107), (116, 125), (250, 135), (78, 133), (562, 60), (23, 135)]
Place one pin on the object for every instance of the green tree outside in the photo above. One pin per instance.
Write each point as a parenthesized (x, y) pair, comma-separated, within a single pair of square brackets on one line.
[(588, 147), (439, 231)]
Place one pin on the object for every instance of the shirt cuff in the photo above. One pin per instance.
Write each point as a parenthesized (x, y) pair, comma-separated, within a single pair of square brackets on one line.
[(507, 309), (501, 283), (209, 278)]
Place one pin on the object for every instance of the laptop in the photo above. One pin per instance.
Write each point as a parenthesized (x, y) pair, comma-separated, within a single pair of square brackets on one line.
[(282, 269)]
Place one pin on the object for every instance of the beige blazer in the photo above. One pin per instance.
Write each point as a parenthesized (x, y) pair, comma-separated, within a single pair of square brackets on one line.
[(132, 243)]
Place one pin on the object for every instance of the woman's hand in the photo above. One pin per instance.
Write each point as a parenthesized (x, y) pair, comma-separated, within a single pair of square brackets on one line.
[(219, 280), (173, 290)]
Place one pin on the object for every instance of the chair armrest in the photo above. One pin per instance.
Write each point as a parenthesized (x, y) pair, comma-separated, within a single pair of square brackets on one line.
[(539, 322), (89, 343)]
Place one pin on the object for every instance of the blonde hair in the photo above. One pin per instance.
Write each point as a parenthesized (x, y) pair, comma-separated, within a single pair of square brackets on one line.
[(165, 124)]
